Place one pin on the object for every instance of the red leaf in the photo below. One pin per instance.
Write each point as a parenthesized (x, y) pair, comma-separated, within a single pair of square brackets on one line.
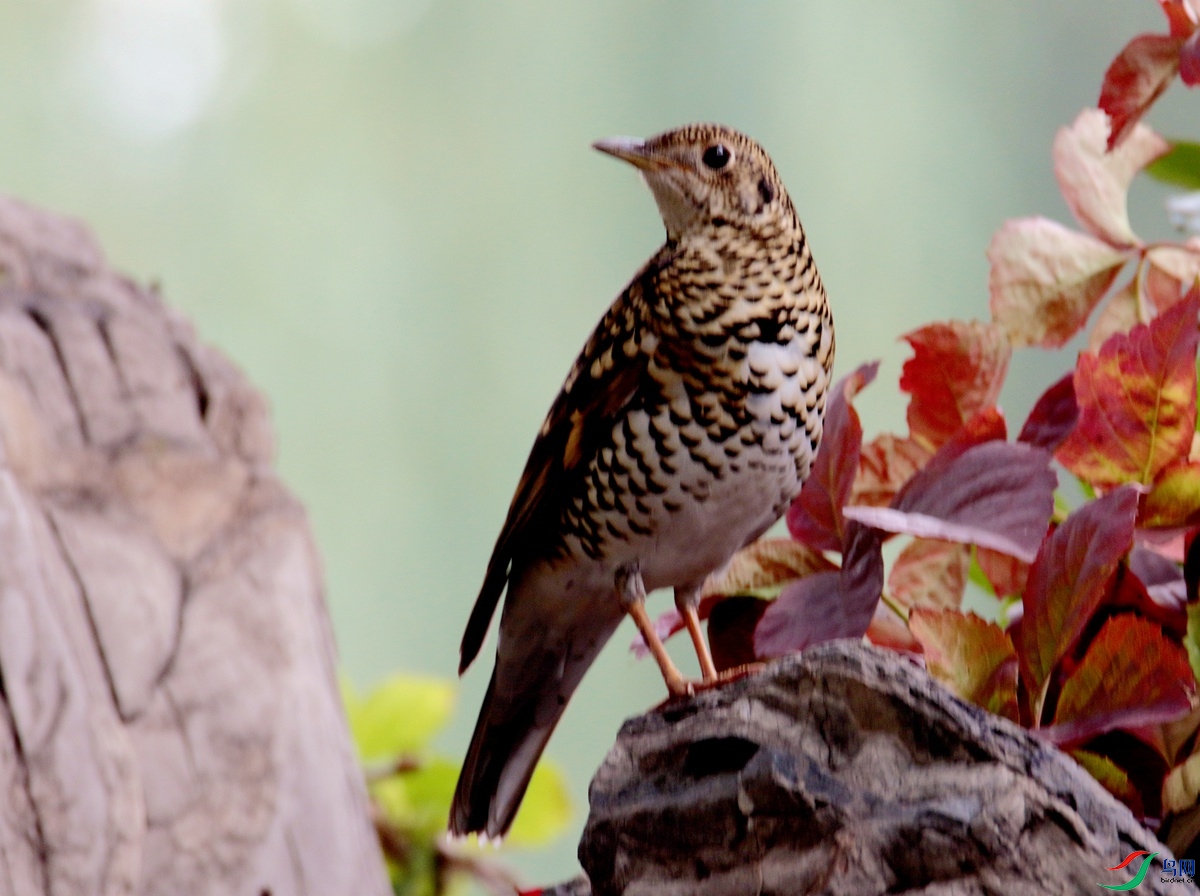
[(1136, 78), (826, 605), (1137, 402), (1094, 181), (1053, 417), (929, 573), (1067, 582), (956, 370), (815, 517), (886, 463), (1131, 676), (1046, 278), (974, 658), (993, 494), (1182, 16)]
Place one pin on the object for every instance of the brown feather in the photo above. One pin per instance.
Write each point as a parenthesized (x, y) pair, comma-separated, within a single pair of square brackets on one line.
[(599, 386)]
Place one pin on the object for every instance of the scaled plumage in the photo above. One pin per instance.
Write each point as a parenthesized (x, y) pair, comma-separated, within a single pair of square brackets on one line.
[(683, 431)]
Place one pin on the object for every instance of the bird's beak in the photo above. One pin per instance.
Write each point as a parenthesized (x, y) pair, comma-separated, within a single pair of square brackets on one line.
[(631, 150)]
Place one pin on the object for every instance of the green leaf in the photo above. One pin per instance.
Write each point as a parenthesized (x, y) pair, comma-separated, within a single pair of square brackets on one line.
[(977, 577), (1180, 167), (1181, 789), (1192, 641), (399, 716), (418, 801), (546, 809), (1114, 778)]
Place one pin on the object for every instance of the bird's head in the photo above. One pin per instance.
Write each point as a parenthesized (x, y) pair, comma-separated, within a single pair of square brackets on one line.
[(705, 173)]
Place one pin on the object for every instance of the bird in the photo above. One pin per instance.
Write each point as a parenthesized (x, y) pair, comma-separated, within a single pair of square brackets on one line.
[(683, 431)]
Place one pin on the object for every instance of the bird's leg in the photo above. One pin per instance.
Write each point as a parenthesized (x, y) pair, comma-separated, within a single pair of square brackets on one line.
[(687, 599), (631, 593)]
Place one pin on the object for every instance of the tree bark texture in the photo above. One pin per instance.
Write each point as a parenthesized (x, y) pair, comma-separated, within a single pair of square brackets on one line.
[(170, 720), (847, 770)]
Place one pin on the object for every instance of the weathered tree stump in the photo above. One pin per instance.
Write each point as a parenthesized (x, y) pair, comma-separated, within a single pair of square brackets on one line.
[(170, 717), (847, 770)]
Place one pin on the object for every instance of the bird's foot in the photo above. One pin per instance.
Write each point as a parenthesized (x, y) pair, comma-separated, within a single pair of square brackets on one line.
[(682, 688), (728, 676)]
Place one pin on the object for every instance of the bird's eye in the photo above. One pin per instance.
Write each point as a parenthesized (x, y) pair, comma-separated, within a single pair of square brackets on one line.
[(717, 156)]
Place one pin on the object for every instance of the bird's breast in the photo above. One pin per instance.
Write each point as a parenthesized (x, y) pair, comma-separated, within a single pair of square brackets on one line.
[(691, 474)]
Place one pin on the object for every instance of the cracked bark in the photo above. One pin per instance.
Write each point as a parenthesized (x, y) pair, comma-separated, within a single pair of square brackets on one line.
[(167, 671), (847, 770)]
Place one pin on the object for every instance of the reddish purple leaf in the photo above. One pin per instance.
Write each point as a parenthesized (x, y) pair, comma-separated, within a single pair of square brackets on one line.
[(1067, 582), (815, 517), (826, 605), (995, 494), (1158, 598), (1136, 78), (1131, 676), (1189, 61), (1163, 580), (1053, 417), (731, 626)]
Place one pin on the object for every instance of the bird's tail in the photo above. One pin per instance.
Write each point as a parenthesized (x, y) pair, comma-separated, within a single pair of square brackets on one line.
[(525, 699), (508, 740)]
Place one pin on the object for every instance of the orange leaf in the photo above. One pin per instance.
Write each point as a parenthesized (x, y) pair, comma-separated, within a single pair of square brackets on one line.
[(766, 563), (1131, 676), (974, 658), (1137, 402), (1046, 278), (1174, 499), (1007, 575), (930, 573), (886, 463), (956, 370), (1095, 182)]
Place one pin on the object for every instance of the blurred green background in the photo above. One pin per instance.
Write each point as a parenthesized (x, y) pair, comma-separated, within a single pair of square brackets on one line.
[(387, 212)]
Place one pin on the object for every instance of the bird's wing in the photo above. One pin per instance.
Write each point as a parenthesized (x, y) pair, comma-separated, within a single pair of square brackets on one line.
[(605, 379)]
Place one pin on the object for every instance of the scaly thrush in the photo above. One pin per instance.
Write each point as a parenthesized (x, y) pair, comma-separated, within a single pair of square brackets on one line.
[(684, 430)]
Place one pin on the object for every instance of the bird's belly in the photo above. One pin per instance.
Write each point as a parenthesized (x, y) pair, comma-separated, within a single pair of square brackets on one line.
[(679, 500)]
